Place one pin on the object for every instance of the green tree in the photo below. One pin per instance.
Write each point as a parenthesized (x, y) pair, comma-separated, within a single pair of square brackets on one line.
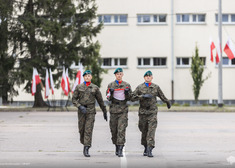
[(197, 69), (7, 59), (52, 34)]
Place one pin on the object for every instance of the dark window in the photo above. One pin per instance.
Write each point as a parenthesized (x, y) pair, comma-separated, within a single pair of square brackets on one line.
[(123, 18), (146, 61), (201, 18), (203, 60), (185, 61), (107, 61), (139, 61), (225, 18), (115, 61), (146, 18), (233, 61), (162, 18), (159, 61), (178, 61), (123, 61), (233, 18)]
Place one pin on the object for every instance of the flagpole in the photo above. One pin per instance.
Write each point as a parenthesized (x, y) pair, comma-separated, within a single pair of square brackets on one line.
[(220, 78), (172, 52)]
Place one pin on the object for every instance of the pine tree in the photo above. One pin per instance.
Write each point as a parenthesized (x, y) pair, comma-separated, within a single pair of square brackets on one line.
[(55, 33), (197, 69), (7, 59)]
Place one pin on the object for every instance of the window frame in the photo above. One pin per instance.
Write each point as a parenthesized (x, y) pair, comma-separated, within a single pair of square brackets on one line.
[(100, 19), (152, 17), (179, 18), (151, 62), (113, 62), (190, 62), (229, 65), (230, 16)]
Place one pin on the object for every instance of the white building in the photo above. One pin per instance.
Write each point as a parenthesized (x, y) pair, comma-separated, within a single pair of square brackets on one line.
[(137, 36)]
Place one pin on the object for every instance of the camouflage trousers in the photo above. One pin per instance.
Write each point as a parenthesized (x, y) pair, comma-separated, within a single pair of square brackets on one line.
[(147, 126), (85, 127), (118, 123)]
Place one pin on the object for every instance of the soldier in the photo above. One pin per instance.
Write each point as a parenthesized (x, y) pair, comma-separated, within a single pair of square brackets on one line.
[(146, 93), (84, 98), (118, 93)]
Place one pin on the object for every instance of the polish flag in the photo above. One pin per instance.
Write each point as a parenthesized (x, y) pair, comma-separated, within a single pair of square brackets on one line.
[(79, 78), (217, 58), (47, 85), (229, 49), (36, 80), (52, 82), (64, 84), (212, 47), (67, 77)]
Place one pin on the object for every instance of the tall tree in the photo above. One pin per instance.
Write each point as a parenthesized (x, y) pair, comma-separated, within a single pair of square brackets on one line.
[(55, 33), (197, 69), (7, 59)]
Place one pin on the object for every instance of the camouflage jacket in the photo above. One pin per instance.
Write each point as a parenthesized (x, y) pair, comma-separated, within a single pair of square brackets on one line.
[(148, 106), (118, 106), (86, 96)]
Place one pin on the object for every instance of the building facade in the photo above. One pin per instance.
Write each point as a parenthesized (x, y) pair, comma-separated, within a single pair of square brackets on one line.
[(140, 35)]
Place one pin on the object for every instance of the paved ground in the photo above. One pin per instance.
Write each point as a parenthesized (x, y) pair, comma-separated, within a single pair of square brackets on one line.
[(50, 139)]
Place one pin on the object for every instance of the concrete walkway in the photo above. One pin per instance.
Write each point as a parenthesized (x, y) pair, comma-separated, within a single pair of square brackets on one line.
[(51, 139)]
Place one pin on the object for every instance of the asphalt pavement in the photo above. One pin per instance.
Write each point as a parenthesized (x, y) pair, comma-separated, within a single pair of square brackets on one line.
[(51, 139)]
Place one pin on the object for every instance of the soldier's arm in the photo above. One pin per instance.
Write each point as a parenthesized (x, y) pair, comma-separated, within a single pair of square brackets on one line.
[(129, 95), (135, 96), (161, 95), (100, 100), (75, 98), (108, 95)]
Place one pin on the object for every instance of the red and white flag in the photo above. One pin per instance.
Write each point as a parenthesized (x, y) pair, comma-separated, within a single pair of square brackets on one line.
[(36, 80), (67, 77), (52, 82), (64, 84), (212, 47), (218, 52), (229, 49), (79, 78), (47, 84)]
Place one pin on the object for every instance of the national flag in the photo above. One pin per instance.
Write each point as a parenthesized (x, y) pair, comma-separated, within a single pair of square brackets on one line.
[(212, 47), (64, 84), (35, 81), (52, 82), (229, 49), (79, 78), (218, 52), (67, 77), (47, 85)]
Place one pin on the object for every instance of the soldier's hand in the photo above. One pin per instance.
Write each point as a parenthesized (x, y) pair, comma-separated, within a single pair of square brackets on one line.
[(105, 116), (111, 90), (82, 109), (168, 104), (148, 96), (126, 91)]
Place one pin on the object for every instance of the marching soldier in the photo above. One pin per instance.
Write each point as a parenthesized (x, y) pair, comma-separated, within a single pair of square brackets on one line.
[(84, 98), (146, 93), (118, 93)]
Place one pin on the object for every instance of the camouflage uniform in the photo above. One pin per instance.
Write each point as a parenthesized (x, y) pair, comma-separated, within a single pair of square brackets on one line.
[(86, 96), (118, 114), (148, 111)]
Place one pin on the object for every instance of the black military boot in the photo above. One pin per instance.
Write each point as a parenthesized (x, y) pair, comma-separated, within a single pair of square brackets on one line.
[(116, 150), (145, 150), (120, 147), (149, 151), (86, 151)]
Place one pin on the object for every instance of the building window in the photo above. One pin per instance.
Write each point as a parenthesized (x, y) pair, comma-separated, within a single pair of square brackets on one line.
[(191, 18), (227, 62), (186, 61), (226, 18), (152, 62), (114, 62), (151, 19), (183, 61), (112, 19)]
